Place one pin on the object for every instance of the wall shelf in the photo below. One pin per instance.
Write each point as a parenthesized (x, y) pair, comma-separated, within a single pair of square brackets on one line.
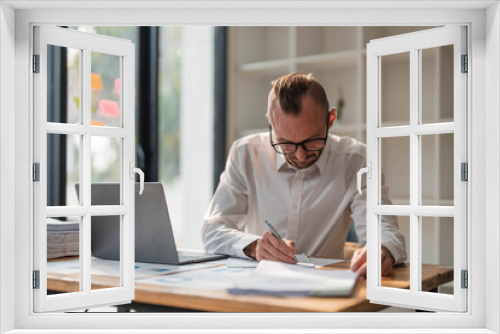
[(266, 67), (329, 61)]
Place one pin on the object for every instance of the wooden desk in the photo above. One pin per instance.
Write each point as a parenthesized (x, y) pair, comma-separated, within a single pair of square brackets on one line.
[(221, 301)]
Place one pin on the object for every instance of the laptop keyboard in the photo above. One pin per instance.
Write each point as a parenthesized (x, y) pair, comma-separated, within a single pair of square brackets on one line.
[(183, 258), (189, 257)]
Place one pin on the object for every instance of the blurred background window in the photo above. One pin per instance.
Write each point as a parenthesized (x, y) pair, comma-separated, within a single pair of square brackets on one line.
[(175, 87)]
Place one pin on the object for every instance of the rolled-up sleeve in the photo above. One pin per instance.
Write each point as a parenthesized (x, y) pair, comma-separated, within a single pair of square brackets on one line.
[(223, 228), (391, 237)]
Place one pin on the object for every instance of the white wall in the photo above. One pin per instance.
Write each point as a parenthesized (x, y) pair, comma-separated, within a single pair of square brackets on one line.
[(7, 159)]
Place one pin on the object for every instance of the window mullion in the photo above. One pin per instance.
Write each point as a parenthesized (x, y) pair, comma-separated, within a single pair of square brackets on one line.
[(128, 157), (85, 162), (373, 155), (415, 171), (76, 129)]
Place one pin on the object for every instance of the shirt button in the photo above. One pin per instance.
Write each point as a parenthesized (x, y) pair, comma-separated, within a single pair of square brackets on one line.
[(294, 205)]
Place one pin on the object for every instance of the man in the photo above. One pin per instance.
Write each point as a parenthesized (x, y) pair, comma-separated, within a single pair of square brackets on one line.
[(302, 180)]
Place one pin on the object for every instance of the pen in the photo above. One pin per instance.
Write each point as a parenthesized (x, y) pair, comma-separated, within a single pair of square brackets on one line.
[(277, 235)]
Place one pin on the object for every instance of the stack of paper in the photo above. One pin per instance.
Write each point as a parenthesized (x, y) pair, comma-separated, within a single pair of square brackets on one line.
[(62, 238), (282, 279)]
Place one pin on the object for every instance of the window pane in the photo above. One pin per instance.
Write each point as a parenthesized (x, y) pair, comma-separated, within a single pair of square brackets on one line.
[(395, 154), (401, 279), (169, 101), (105, 245), (105, 104), (105, 87), (107, 75), (63, 243), (437, 169), (437, 84), (63, 85), (73, 77), (437, 249), (63, 169), (185, 126), (395, 89), (106, 164)]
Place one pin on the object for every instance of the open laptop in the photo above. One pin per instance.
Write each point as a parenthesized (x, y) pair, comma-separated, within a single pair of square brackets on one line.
[(154, 238)]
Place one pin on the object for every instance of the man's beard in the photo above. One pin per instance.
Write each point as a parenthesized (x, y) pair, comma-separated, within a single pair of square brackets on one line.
[(310, 160)]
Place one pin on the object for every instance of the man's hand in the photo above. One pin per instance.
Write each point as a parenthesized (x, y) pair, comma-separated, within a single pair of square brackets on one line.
[(268, 247), (358, 261)]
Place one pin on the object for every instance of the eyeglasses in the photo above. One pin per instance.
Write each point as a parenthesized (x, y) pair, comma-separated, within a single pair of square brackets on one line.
[(313, 144)]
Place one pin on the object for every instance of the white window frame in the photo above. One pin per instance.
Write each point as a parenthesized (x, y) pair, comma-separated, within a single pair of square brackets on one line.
[(413, 44), (124, 52), (483, 125)]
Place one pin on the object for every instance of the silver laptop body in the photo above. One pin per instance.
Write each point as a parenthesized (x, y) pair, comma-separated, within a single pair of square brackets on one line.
[(154, 238)]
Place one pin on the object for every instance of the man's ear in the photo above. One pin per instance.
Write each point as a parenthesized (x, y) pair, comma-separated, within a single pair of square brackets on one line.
[(332, 116)]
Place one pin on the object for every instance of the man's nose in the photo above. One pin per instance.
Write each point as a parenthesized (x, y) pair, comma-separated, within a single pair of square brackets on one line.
[(301, 153)]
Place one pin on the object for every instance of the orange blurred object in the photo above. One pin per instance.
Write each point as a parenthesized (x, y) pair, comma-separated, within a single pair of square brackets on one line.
[(96, 123), (95, 81)]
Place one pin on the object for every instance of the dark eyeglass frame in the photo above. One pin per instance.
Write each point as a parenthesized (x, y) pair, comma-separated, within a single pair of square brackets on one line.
[(303, 143)]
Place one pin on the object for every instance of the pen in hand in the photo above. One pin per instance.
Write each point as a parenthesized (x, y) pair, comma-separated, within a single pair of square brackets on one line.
[(277, 235)]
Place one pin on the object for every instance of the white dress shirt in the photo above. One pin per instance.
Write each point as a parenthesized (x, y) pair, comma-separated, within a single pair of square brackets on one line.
[(312, 206)]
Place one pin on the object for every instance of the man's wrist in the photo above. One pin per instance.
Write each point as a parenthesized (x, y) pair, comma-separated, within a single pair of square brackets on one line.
[(393, 261), (249, 250)]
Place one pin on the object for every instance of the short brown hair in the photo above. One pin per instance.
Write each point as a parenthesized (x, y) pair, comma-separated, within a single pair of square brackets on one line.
[(290, 88)]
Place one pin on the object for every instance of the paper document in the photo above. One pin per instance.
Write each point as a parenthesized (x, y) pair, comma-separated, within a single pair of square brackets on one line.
[(317, 262), (236, 262), (209, 279), (322, 262), (304, 260), (283, 279)]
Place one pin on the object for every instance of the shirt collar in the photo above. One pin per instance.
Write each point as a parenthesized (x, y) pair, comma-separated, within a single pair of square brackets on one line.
[(320, 164), (281, 163)]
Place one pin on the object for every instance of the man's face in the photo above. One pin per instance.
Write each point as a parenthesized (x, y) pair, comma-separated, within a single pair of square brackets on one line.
[(309, 123)]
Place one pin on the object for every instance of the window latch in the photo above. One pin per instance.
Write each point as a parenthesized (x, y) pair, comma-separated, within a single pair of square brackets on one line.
[(134, 170), (368, 171)]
